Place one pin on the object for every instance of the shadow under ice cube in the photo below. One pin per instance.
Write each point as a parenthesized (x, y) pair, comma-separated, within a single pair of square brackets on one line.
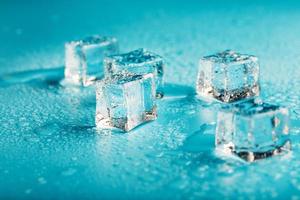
[(253, 130), (137, 62), (228, 76), (84, 58), (125, 101)]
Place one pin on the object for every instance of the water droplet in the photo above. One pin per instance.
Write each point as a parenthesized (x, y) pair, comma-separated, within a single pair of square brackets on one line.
[(69, 172), (42, 180), (28, 191), (160, 155)]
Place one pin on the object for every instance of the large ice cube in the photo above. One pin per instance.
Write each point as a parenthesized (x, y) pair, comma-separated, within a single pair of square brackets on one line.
[(228, 76), (253, 129), (125, 101), (84, 58), (138, 62)]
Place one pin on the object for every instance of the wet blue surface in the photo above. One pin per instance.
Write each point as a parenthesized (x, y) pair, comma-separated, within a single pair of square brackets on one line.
[(49, 147)]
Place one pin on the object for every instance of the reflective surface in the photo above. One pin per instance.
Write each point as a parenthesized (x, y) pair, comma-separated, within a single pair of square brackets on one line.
[(49, 147)]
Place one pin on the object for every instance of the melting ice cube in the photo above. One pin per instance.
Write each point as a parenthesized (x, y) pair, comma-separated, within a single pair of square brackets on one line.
[(138, 62), (228, 76), (84, 58), (125, 101), (253, 129)]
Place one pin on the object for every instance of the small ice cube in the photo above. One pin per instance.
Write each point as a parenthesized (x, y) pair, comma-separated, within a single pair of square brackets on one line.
[(228, 76), (253, 130), (138, 62), (125, 101), (84, 58)]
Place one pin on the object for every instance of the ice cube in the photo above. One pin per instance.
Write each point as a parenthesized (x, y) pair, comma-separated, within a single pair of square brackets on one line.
[(84, 58), (138, 62), (125, 101), (228, 76), (253, 129)]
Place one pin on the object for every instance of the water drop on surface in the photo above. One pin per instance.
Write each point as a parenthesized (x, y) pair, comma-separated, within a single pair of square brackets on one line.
[(28, 191), (42, 180), (69, 172)]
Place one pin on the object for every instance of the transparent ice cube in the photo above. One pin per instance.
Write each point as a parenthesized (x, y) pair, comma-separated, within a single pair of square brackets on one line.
[(228, 76), (138, 62), (84, 58), (125, 101), (253, 129)]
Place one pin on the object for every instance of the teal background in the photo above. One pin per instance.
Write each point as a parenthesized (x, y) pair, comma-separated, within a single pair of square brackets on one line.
[(49, 148)]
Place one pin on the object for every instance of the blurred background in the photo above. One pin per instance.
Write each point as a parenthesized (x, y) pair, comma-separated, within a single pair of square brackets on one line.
[(33, 32)]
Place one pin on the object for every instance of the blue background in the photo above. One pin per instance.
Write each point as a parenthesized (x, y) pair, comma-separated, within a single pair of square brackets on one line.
[(49, 148)]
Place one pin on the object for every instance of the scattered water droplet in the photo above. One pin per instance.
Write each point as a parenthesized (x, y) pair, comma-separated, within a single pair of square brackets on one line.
[(28, 191), (42, 180), (160, 155), (69, 172)]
